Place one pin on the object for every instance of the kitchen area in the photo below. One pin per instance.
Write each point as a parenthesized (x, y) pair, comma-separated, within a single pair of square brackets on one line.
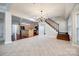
[(23, 28)]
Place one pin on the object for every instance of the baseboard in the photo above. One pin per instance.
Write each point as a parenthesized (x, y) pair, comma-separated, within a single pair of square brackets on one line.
[(8, 42), (76, 45)]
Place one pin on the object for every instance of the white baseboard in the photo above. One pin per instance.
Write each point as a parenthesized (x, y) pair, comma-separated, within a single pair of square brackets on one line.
[(8, 42), (76, 45)]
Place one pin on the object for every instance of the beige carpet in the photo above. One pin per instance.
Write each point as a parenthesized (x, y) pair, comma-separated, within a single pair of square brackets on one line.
[(39, 46)]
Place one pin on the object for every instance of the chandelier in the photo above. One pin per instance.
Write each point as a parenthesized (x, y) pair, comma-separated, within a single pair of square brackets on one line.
[(41, 18), (41, 21)]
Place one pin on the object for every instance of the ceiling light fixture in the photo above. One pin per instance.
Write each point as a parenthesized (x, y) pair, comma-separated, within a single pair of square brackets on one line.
[(41, 19)]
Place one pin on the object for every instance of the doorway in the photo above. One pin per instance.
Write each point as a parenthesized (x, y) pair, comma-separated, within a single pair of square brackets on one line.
[(2, 16), (23, 28)]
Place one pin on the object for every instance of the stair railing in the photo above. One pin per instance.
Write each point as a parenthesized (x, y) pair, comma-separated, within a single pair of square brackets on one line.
[(53, 24)]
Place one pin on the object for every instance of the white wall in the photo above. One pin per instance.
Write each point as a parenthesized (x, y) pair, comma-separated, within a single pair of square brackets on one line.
[(19, 14), (49, 30), (62, 24)]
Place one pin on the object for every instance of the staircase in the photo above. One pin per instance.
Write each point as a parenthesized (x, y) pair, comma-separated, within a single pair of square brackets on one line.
[(55, 26)]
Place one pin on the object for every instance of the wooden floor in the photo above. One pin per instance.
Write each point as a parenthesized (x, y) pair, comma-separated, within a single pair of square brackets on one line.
[(39, 46)]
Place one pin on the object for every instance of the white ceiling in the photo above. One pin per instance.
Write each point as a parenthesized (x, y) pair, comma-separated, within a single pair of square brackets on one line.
[(32, 10)]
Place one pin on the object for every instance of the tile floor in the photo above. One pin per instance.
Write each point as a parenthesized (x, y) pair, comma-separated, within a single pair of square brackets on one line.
[(39, 46)]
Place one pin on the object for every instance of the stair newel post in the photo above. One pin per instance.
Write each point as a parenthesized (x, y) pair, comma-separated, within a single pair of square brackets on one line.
[(58, 28)]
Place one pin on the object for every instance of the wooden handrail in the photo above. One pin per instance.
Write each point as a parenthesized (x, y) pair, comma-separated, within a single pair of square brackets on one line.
[(53, 24), (53, 21)]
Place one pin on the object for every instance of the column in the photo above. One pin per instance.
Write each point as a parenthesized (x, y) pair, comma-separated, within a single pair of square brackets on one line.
[(74, 31), (41, 28), (7, 27)]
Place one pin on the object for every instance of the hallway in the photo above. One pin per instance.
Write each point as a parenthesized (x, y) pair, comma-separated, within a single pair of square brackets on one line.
[(38, 46)]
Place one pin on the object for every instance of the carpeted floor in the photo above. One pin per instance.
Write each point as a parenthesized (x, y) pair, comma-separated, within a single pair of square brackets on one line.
[(39, 46)]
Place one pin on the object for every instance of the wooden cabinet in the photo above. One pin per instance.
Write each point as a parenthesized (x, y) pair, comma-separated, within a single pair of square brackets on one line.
[(63, 36), (25, 32), (30, 32)]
